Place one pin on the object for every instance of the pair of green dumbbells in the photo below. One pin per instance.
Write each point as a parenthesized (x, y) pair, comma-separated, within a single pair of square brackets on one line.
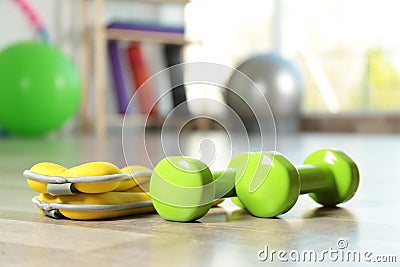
[(265, 183)]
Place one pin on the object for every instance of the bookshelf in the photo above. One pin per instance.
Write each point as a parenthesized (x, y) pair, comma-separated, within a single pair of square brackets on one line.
[(94, 57), (140, 36)]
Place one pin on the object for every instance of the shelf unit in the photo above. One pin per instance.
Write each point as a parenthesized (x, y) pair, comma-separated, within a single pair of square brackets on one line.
[(98, 34), (141, 36)]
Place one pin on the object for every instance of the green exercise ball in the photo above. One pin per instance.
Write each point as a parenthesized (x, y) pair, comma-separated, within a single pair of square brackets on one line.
[(39, 88)]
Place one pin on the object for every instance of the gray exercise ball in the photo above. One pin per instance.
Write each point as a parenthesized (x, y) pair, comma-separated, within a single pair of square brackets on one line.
[(279, 81)]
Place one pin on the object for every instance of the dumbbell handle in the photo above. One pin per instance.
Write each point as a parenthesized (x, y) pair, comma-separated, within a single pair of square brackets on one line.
[(224, 183), (312, 179)]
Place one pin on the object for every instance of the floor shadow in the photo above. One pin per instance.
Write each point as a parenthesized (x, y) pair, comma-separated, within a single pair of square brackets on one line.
[(331, 212)]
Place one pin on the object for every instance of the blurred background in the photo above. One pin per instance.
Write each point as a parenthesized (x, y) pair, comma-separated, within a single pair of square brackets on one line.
[(350, 45), (347, 53)]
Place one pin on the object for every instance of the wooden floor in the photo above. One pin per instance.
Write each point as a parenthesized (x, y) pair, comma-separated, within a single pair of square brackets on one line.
[(228, 236)]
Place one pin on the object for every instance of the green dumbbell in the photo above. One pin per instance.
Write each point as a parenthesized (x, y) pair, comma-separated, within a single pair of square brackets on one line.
[(329, 176), (183, 189), (267, 184)]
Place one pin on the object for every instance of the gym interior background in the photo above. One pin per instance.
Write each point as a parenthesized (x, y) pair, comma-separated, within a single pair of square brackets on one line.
[(350, 66), (348, 55)]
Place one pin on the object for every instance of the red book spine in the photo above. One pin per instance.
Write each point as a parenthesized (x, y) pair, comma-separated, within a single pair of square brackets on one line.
[(140, 73)]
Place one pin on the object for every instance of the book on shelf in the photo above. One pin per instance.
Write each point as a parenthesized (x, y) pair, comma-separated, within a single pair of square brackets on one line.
[(143, 88), (151, 27), (116, 67), (173, 54), (153, 32)]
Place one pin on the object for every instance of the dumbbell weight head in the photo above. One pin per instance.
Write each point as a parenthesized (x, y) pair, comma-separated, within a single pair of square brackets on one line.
[(182, 188), (267, 184), (329, 176), (343, 172)]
